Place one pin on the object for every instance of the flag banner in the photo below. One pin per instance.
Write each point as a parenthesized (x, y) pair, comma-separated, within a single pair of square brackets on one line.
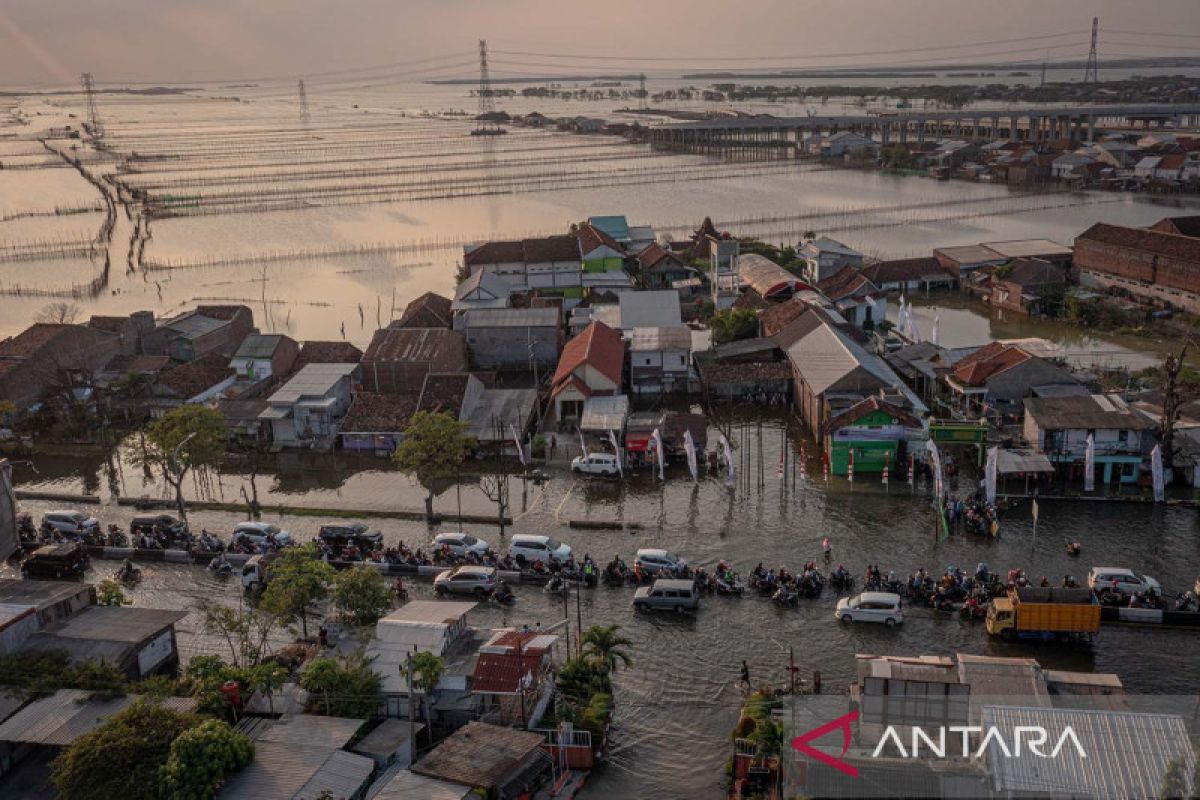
[(990, 473), (689, 446), (583, 444), (517, 442), (612, 437), (1089, 465), (728, 452), (1156, 470), (886, 458), (656, 437), (933, 337), (911, 469), (850, 466), (782, 459), (803, 467)]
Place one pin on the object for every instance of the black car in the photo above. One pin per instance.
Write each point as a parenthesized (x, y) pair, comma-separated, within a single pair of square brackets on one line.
[(145, 523), (56, 561), (340, 534)]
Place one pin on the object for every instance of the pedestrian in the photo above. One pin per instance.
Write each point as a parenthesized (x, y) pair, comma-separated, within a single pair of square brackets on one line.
[(746, 674), (323, 636), (553, 446), (827, 548)]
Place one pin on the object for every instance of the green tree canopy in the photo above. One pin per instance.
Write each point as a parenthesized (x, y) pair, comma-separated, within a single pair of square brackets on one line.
[(298, 580), (110, 593), (342, 687), (361, 595), (123, 758), (190, 437), (731, 324), (433, 450), (201, 758), (606, 646)]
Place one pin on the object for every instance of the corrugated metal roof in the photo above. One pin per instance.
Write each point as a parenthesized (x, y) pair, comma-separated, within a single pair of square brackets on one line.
[(479, 755), (67, 714), (314, 380), (496, 410), (117, 623), (282, 770), (1025, 248), (39, 594), (604, 413), (675, 337), (765, 276), (647, 309), (1127, 753), (194, 325), (408, 785), (258, 345), (310, 729), (511, 318)]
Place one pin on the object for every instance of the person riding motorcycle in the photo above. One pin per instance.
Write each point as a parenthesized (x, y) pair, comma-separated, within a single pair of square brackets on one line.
[(128, 571), (503, 592)]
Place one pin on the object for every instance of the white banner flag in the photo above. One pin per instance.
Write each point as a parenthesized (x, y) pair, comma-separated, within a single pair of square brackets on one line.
[(1156, 470), (656, 437), (689, 445), (914, 333), (728, 452), (583, 444), (612, 437), (517, 442), (934, 335), (990, 473), (1089, 465), (935, 457)]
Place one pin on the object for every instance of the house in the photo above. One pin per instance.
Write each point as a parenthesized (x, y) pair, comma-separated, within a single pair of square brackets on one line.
[(856, 298), (1155, 267), (244, 422), (494, 414), (552, 263), (405, 784), (600, 252), (1028, 286), (605, 413), (771, 281), (1059, 428), (959, 261), (207, 329), (753, 369), (1072, 167), (327, 353), (922, 365), (844, 143), (430, 310), (826, 257), (515, 668), (1146, 168), (659, 359), (1181, 226), (482, 289), (909, 275), (614, 227), (494, 761), (129, 330), (1170, 167), (307, 410), (376, 422), (512, 338), (591, 364), (997, 377), (1044, 249), (52, 359), (299, 771), (121, 367), (660, 268), (262, 356), (28, 606), (649, 309), (196, 381), (875, 431), (398, 359), (137, 641)]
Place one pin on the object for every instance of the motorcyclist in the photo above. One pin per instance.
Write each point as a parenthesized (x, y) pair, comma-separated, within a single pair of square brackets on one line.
[(504, 592), (127, 572)]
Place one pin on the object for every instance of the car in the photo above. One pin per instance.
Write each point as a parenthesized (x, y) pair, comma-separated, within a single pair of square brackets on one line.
[(469, 579), (459, 543), (339, 534), (71, 523), (256, 572), (535, 547), (596, 464), (1127, 582), (56, 561), (145, 523), (654, 561), (257, 533), (882, 607), (670, 594)]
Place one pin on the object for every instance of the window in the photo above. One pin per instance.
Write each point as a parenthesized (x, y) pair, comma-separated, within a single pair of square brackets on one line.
[(1122, 436)]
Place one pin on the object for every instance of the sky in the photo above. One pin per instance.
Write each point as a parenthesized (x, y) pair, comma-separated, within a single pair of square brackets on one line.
[(178, 41)]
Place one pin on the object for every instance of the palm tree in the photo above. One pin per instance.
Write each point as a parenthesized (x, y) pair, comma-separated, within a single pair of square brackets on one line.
[(607, 647)]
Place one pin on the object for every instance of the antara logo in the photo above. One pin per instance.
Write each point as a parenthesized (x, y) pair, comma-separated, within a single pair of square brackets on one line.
[(1025, 738), (842, 723)]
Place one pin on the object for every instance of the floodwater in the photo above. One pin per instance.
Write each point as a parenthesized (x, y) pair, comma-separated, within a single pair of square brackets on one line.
[(680, 692)]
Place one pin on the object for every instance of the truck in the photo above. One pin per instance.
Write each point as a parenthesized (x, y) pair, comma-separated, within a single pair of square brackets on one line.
[(256, 572), (1030, 612)]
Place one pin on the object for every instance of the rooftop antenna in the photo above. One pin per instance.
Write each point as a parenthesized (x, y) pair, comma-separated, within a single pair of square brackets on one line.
[(1091, 73), (89, 96), (305, 116)]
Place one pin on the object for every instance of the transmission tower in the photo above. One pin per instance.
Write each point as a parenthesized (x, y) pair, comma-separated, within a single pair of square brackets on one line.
[(89, 96), (1091, 72), (486, 104), (305, 116)]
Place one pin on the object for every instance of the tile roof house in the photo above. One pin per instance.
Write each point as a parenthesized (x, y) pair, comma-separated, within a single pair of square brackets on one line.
[(430, 310), (997, 377), (397, 360), (826, 256), (47, 359), (261, 356), (1027, 286), (498, 761), (207, 329), (307, 411), (659, 268), (376, 422), (1156, 267), (909, 274), (591, 363), (327, 353), (553, 262), (196, 381), (856, 298), (482, 289), (511, 664)]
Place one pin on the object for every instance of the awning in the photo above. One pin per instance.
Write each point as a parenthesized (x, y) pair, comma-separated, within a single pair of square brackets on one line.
[(1012, 462)]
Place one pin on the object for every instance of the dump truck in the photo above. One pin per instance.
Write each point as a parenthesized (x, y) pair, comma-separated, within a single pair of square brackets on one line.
[(1030, 612)]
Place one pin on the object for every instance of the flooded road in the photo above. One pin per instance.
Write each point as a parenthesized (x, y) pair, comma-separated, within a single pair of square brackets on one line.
[(680, 693)]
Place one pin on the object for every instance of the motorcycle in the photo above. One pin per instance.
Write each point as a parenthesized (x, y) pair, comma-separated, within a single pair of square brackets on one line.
[(1187, 601), (557, 585), (785, 597), (1074, 548), (116, 537), (220, 566), (128, 574), (729, 585)]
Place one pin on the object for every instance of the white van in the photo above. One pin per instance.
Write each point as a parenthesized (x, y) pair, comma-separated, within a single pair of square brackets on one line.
[(596, 464), (535, 547)]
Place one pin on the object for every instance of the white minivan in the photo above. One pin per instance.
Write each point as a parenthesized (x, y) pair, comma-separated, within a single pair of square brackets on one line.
[(882, 607), (535, 547), (596, 464), (459, 543)]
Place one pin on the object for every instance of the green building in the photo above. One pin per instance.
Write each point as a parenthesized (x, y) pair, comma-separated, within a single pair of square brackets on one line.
[(874, 430)]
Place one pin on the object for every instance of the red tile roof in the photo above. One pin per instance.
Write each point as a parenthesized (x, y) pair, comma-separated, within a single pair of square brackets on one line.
[(502, 672), (379, 413), (32, 340), (598, 345), (430, 310), (1167, 244), (193, 378), (987, 362), (328, 353), (845, 283), (590, 237), (903, 269), (550, 248)]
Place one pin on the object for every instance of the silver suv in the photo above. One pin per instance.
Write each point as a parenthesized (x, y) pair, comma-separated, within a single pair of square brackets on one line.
[(479, 581), (70, 523), (669, 593)]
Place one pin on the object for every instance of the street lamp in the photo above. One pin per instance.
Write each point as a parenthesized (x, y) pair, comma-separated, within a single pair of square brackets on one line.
[(173, 460)]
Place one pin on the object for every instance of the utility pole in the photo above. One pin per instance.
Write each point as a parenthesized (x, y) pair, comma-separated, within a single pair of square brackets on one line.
[(89, 97), (578, 627), (305, 117), (1091, 72), (412, 708)]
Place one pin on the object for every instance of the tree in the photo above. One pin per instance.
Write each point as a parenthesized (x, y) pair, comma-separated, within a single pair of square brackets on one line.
[(1172, 404), (605, 646), (190, 437), (1175, 781), (246, 631), (343, 687), (427, 674), (433, 450), (123, 758), (731, 324), (110, 593), (298, 580), (361, 595), (201, 758), (58, 313)]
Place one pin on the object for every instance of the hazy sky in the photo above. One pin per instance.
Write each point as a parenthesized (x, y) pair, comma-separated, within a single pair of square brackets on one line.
[(193, 40)]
